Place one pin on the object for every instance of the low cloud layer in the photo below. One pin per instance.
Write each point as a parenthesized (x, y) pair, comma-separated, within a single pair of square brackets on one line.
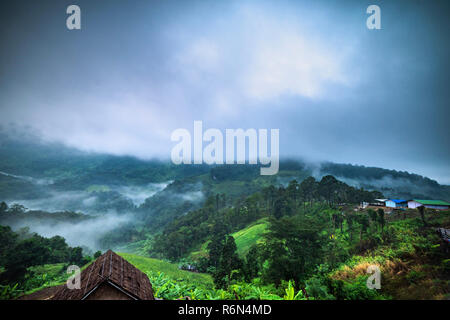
[(95, 202), (37, 181), (85, 233), (138, 194)]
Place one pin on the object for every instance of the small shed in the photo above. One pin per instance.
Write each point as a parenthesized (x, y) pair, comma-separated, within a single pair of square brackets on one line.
[(109, 277), (397, 203), (431, 204)]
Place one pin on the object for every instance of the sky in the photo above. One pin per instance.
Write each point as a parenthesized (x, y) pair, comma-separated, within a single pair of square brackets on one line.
[(138, 70)]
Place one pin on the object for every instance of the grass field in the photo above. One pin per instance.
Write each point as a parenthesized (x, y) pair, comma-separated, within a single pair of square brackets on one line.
[(52, 270), (149, 265), (250, 235), (244, 238)]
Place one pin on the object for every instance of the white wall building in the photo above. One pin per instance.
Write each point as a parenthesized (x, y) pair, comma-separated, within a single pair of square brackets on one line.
[(431, 204)]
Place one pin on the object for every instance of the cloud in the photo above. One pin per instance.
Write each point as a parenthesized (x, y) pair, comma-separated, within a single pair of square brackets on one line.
[(292, 66), (194, 196), (203, 56), (36, 181), (313, 70), (138, 194), (85, 233), (262, 58)]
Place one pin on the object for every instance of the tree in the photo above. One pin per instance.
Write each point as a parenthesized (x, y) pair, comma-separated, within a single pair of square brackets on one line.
[(421, 210), (327, 187), (17, 208), (29, 252), (282, 205), (215, 246), (349, 217), (293, 191), (373, 216), (308, 189), (18, 252), (76, 256), (269, 195), (59, 248), (3, 207), (337, 219), (229, 262), (293, 248), (381, 219), (364, 224), (251, 265), (215, 249), (7, 241)]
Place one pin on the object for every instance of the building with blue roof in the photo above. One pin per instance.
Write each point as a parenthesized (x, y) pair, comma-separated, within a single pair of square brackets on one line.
[(397, 203)]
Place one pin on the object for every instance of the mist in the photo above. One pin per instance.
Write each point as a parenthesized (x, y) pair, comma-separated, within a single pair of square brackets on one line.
[(194, 196), (90, 202), (37, 181), (390, 186), (85, 233), (138, 194), (77, 201), (101, 210)]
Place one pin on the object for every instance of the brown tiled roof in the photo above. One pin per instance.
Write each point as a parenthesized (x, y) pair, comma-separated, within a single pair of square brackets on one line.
[(114, 269)]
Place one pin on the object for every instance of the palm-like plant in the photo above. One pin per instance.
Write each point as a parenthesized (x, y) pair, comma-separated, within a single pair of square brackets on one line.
[(290, 293)]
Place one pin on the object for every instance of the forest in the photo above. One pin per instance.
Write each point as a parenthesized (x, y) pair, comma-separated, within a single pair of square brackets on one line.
[(217, 232), (313, 245)]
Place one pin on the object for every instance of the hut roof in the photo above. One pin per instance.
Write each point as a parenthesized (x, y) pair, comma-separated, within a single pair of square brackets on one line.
[(115, 270)]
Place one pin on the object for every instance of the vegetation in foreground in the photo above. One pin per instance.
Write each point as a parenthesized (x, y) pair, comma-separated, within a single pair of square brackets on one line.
[(297, 242), (303, 235)]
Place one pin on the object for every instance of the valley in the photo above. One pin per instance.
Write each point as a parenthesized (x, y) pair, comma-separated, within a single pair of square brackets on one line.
[(165, 218)]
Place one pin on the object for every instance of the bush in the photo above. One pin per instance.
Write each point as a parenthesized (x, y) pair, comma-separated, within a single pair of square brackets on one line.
[(355, 290), (445, 264), (9, 292), (316, 289)]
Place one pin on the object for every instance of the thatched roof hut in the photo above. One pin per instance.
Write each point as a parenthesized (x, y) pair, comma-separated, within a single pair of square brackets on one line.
[(109, 277)]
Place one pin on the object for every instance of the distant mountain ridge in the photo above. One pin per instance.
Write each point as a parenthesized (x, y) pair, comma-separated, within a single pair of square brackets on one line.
[(59, 185), (391, 183), (64, 168)]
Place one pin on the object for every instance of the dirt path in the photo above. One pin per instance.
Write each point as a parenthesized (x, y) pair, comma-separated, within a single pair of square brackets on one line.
[(44, 294)]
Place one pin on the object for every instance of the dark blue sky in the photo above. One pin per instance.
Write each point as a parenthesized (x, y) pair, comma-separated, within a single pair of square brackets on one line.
[(137, 70)]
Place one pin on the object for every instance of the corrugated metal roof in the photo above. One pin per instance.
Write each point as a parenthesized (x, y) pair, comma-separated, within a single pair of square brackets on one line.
[(397, 200), (433, 202)]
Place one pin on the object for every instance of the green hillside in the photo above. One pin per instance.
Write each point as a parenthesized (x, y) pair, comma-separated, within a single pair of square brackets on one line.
[(250, 235), (150, 265), (244, 238)]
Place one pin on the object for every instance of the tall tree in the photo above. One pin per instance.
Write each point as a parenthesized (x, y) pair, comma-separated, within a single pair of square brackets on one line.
[(381, 218), (363, 221), (215, 249), (373, 217), (421, 210), (293, 191), (229, 262), (327, 188), (308, 188), (251, 265), (293, 247), (3, 207), (349, 218)]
